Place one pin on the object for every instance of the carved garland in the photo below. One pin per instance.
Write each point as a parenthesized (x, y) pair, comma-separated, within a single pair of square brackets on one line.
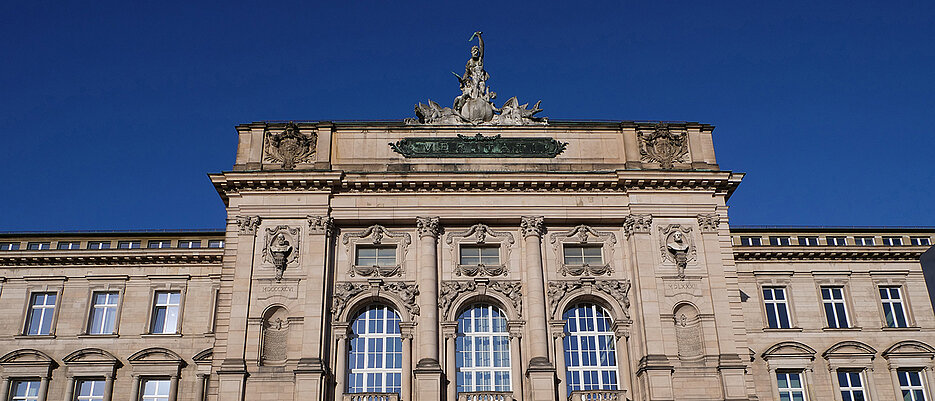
[(450, 290), (616, 289), (583, 235), (480, 234), (376, 235), (345, 291)]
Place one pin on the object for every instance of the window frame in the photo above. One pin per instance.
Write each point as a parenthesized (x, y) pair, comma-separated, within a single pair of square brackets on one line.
[(777, 240), (809, 240), (480, 258), (802, 382), (99, 245), (40, 245), (581, 369), (130, 244), (29, 309), (746, 240), (890, 240), (38, 384), (383, 352), (910, 387), (360, 247), (152, 314), (863, 388), (95, 379), (142, 396), (71, 245), (785, 301), (92, 307), (833, 240), (167, 242), (10, 246), (506, 372), (920, 241), (903, 303), (843, 302), (189, 244), (219, 242), (861, 240)]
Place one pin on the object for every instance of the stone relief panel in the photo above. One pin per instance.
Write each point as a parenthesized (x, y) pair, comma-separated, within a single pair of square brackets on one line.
[(637, 223), (281, 247), (578, 249), (708, 223), (616, 289), (688, 332), (247, 225), (481, 238), (677, 246), (663, 146), (345, 291), (376, 237), (290, 146), (320, 225), (451, 290), (275, 341)]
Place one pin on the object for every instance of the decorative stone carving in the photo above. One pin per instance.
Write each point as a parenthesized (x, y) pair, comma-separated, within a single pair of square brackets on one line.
[(290, 146), (637, 223), (688, 333), (248, 224), (320, 225), (583, 235), (475, 104), (428, 227), (275, 337), (557, 291), (376, 235), (281, 247), (532, 226), (480, 234), (344, 291), (511, 290), (663, 146), (617, 289), (450, 290), (708, 223), (677, 246)]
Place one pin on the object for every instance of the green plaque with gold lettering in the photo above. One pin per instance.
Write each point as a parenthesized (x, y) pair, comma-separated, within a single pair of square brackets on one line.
[(478, 146)]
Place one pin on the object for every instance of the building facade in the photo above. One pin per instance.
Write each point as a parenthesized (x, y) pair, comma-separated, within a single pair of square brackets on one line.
[(473, 254)]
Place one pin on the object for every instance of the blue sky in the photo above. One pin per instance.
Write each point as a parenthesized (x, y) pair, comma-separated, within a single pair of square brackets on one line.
[(114, 113)]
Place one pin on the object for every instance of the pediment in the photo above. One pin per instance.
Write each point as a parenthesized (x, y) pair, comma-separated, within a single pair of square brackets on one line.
[(789, 349), (90, 356), (849, 349), (26, 356), (910, 348), (204, 356), (154, 355)]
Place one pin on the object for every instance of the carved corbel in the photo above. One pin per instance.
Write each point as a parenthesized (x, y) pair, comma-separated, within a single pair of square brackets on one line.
[(428, 227), (708, 223), (320, 225), (637, 223), (532, 226)]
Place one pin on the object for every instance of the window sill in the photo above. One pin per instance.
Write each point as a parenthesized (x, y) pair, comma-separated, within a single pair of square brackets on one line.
[(34, 336), (155, 335), (770, 329), (910, 328), (98, 336), (833, 329)]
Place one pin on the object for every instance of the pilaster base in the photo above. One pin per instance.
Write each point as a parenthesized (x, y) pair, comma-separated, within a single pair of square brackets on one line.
[(655, 377), (428, 376), (541, 376), (310, 379), (232, 379)]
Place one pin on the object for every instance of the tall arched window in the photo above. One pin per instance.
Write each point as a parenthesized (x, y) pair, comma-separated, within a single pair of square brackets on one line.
[(590, 355), (375, 357), (482, 350)]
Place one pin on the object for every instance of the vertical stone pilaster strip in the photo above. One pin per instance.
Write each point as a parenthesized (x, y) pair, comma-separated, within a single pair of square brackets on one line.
[(109, 387), (340, 369), (69, 391), (406, 378), (311, 370), (533, 227), (428, 371), (232, 372)]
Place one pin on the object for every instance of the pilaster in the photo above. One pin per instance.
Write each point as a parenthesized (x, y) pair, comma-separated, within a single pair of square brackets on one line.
[(428, 372)]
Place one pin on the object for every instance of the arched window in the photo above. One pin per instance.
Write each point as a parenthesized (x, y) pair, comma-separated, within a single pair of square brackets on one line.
[(375, 357), (590, 355), (482, 350)]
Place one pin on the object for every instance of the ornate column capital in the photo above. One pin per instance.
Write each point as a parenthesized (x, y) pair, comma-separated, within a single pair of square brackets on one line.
[(248, 224), (532, 226), (708, 223), (428, 226), (637, 223), (320, 225)]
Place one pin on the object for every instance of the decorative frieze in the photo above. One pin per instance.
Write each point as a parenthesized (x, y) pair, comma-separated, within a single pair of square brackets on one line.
[(663, 146), (532, 226), (513, 291), (345, 291), (247, 225), (708, 223), (281, 247), (584, 235), (677, 246), (637, 223), (290, 146), (320, 225)]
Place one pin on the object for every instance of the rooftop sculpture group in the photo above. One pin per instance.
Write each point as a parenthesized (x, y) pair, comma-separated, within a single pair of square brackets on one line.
[(475, 104)]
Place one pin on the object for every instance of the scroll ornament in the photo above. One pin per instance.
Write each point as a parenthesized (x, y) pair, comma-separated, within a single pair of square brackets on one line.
[(616, 289)]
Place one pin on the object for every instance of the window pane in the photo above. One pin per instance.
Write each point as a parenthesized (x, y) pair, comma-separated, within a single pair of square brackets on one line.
[(375, 353)]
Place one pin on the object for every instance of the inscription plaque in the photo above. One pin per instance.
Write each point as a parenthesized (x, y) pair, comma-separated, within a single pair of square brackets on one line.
[(479, 146)]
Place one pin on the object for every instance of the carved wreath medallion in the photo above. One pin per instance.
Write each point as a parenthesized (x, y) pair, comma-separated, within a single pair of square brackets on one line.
[(584, 235), (290, 146), (376, 235), (663, 146), (480, 234), (281, 247)]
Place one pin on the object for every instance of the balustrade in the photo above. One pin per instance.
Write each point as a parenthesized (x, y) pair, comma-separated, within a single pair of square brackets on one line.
[(486, 396), (371, 397), (598, 395)]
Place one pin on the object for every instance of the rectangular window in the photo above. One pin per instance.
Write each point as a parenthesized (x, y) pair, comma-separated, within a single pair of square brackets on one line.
[(480, 255), (777, 309), (376, 256), (910, 384), (155, 390), (166, 312), (69, 245), (791, 386), (25, 390), (780, 241), (103, 318), (892, 241), (189, 244), (893, 310), (159, 244), (38, 246), (583, 255), (863, 241), (89, 390), (852, 386), (41, 313), (808, 241), (98, 244), (836, 241), (751, 241), (835, 308), (9, 246), (914, 241), (128, 245), (216, 243)]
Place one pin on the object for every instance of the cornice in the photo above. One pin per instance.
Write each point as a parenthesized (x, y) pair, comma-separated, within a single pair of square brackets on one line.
[(109, 257), (228, 183), (849, 253)]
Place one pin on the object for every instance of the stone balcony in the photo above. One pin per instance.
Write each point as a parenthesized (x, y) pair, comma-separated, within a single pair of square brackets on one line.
[(486, 396), (371, 397), (598, 395)]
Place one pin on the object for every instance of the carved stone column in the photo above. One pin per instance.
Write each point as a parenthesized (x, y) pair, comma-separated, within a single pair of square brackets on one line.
[(311, 371), (135, 390), (240, 247), (451, 367), (516, 373), (70, 390), (174, 387), (4, 388), (428, 371), (405, 331), (200, 380), (622, 334), (558, 338), (109, 387), (540, 371), (340, 367)]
